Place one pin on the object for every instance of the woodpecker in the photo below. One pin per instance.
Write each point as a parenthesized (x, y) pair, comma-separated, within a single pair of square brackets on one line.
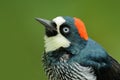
[(71, 55)]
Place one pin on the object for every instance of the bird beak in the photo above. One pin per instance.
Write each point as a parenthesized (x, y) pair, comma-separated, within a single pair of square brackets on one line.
[(48, 24)]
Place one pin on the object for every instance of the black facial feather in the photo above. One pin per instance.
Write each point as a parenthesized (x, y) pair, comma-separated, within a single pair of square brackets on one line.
[(65, 29), (52, 33)]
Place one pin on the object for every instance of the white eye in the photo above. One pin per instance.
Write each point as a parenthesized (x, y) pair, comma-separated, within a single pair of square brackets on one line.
[(66, 29)]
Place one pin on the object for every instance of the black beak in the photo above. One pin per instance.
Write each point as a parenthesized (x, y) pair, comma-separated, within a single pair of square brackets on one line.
[(48, 24)]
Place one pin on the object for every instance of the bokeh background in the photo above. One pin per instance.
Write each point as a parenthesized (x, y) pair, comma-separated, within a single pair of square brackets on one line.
[(21, 37)]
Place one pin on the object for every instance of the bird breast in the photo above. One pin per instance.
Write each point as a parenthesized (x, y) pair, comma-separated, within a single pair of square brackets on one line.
[(71, 71)]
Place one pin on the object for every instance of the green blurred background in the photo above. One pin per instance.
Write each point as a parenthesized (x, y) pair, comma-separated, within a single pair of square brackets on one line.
[(21, 37)]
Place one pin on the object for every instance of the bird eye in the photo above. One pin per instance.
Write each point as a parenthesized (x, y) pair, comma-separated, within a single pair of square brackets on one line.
[(66, 29)]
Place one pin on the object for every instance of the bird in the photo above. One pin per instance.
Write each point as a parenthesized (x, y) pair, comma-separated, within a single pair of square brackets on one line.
[(69, 54)]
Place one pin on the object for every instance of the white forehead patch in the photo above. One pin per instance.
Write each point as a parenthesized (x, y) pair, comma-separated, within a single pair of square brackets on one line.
[(55, 42), (59, 21)]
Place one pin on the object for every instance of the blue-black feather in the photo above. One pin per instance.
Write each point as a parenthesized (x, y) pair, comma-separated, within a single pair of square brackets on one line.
[(92, 55)]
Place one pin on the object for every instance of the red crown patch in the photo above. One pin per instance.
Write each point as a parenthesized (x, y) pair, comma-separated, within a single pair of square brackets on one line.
[(81, 28)]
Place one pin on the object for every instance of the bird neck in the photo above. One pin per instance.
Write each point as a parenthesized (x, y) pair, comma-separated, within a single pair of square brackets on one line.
[(76, 46), (63, 54), (54, 57)]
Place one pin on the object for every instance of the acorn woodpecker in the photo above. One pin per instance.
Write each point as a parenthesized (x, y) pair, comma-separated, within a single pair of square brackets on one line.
[(71, 55)]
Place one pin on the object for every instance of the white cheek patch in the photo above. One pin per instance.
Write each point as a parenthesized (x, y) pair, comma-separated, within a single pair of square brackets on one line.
[(55, 42)]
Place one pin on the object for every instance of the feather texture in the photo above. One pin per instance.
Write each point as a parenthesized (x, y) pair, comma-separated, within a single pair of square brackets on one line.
[(68, 71)]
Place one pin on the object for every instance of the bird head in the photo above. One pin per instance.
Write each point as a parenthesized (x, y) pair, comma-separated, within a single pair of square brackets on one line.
[(63, 32)]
